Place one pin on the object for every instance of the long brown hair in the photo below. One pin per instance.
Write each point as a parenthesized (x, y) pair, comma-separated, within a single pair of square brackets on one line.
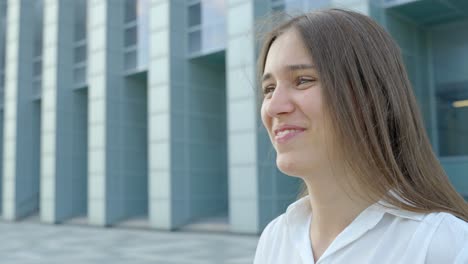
[(373, 110)]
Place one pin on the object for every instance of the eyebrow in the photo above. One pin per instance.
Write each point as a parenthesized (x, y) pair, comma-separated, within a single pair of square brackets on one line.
[(294, 67)]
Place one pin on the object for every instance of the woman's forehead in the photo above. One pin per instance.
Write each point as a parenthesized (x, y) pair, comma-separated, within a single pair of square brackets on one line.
[(288, 52)]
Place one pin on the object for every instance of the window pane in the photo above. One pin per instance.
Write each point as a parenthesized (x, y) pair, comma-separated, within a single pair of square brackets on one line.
[(278, 8), (80, 54), (79, 75), (452, 110), (194, 15), (130, 36), (130, 60), (207, 26), (194, 41), (2, 78), (143, 33), (37, 68), (449, 57), (130, 10), (80, 19), (38, 13), (213, 37), (213, 12), (36, 87)]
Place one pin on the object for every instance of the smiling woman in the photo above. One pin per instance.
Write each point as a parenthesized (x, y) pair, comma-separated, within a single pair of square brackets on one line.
[(341, 115)]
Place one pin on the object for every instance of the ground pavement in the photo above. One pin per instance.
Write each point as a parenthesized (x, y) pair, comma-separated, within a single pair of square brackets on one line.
[(31, 242)]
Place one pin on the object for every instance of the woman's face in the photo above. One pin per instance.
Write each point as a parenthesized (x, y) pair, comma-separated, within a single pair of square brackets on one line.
[(292, 108)]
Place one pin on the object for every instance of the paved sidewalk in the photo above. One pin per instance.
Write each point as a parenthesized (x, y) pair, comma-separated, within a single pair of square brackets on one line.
[(36, 243)]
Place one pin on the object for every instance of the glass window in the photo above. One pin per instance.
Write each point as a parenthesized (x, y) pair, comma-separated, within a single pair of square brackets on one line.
[(136, 34), (452, 111), (195, 41), (130, 36), (449, 57), (278, 8), (79, 74), (80, 53), (37, 87), (80, 19), (38, 13), (213, 37), (194, 15), (2, 37), (130, 10), (294, 7), (80, 34), (2, 79), (37, 67), (143, 33), (206, 26), (130, 60), (3, 6)]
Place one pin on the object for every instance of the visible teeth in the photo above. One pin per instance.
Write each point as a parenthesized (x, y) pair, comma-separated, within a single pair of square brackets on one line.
[(284, 132)]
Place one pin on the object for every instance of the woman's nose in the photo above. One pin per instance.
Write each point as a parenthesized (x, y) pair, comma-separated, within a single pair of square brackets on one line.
[(280, 102)]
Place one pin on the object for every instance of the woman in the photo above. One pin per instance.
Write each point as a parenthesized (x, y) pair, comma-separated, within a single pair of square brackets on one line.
[(341, 114)]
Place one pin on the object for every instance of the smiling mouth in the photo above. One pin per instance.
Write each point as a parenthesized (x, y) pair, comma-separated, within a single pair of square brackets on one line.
[(287, 134)]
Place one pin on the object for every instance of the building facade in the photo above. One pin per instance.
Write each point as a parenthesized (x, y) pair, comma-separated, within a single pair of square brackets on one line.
[(114, 112)]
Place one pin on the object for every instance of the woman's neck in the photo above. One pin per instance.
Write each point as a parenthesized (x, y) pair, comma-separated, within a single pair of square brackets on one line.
[(333, 209)]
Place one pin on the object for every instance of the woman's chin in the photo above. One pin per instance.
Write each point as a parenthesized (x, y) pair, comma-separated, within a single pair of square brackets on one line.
[(290, 165)]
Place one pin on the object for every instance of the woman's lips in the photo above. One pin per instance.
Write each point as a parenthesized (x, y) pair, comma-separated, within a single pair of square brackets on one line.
[(284, 136)]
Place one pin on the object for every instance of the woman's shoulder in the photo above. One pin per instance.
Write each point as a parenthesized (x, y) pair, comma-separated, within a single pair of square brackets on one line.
[(274, 227), (283, 233), (268, 238), (449, 242)]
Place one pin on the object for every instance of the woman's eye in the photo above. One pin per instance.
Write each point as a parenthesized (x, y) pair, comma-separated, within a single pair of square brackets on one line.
[(303, 80), (268, 90)]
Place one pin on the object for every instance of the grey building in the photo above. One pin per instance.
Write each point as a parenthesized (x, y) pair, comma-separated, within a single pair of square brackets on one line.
[(115, 112)]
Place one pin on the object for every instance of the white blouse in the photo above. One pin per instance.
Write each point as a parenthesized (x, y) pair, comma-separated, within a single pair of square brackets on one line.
[(378, 235)]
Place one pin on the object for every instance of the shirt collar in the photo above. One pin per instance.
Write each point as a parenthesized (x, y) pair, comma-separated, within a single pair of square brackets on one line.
[(299, 214), (392, 209), (298, 217)]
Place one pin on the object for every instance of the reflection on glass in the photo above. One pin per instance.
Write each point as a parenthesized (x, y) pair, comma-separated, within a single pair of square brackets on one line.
[(80, 19), (130, 60), (450, 68), (38, 14), (295, 7), (194, 15), (130, 36), (452, 111), (36, 87), (79, 74), (80, 48), (206, 26), (37, 67), (136, 35), (80, 53), (130, 10), (3, 6), (37, 49), (194, 41)]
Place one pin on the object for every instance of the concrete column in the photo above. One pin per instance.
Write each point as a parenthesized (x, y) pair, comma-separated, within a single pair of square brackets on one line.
[(57, 187), (105, 69), (258, 191), (243, 123), (168, 127), (117, 182), (20, 164)]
